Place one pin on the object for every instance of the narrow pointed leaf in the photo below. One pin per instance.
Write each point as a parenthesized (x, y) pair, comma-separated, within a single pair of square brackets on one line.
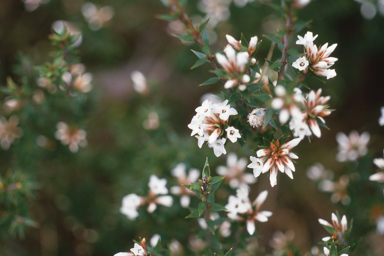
[(200, 55), (268, 116), (206, 169), (216, 179), (203, 25), (234, 97), (211, 80), (205, 37), (185, 37), (217, 207), (211, 226), (194, 214), (273, 38), (199, 62), (166, 17), (202, 207)]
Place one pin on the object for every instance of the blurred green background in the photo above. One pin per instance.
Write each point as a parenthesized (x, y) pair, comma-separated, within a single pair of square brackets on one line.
[(77, 196)]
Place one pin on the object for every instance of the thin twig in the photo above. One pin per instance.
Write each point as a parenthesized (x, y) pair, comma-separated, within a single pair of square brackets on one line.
[(288, 27)]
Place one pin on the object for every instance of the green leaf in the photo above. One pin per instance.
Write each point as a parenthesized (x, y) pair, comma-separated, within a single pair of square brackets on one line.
[(276, 65), (193, 214), (206, 49), (345, 250), (166, 17), (199, 62), (219, 72), (272, 123), (300, 24), (197, 193), (273, 38), (217, 207), (253, 87), (211, 80), (216, 179), (202, 207), (203, 25), (215, 186), (268, 116), (211, 226), (186, 38), (321, 123), (294, 52), (205, 37), (229, 253), (206, 169), (234, 97), (264, 97), (252, 104), (199, 54), (211, 198), (329, 229), (244, 41), (333, 251), (292, 59)]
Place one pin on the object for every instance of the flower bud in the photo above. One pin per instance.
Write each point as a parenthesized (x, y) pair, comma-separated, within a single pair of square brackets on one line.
[(245, 79), (253, 61)]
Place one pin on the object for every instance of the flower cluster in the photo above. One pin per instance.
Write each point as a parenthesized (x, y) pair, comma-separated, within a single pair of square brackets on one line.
[(97, 17), (256, 117), (338, 189), (132, 202), (241, 209), (337, 229), (276, 157), (209, 125), (352, 147), (314, 108), (288, 104), (315, 60), (235, 63), (71, 136), (77, 78)]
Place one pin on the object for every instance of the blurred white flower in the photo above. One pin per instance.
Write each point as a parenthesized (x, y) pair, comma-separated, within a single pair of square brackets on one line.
[(298, 4), (95, 16), (71, 136), (154, 240), (379, 177), (60, 25), (281, 241), (180, 173), (216, 10), (352, 147), (157, 186), (9, 131), (317, 172), (241, 3), (380, 225), (338, 227), (139, 82), (234, 172), (381, 119), (339, 189), (368, 10), (130, 203), (152, 123), (287, 103), (31, 5)]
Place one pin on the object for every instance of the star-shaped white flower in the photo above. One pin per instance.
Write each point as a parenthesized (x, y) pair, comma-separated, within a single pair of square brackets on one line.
[(157, 185), (218, 147), (233, 134), (301, 63), (138, 250)]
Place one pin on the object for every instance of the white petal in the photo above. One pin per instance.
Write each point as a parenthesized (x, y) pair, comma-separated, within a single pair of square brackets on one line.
[(251, 226)]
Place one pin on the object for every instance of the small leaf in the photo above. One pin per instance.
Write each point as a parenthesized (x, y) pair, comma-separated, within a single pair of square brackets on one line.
[(199, 62), (211, 80), (206, 49), (252, 104), (333, 251), (206, 169), (193, 214), (166, 17), (300, 24), (329, 229), (321, 123), (203, 25), (234, 97), (268, 116), (185, 37), (276, 65), (264, 97), (273, 38), (216, 179), (277, 7), (292, 59), (199, 54), (205, 37), (345, 250), (215, 186), (229, 253), (253, 87), (294, 52), (211, 226), (217, 207), (202, 207), (219, 72)]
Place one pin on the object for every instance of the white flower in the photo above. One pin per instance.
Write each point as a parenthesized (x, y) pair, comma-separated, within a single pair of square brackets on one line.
[(157, 186), (379, 177), (318, 172), (327, 252), (9, 131), (233, 42), (130, 203), (299, 127), (256, 165), (232, 134), (234, 172), (301, 63), (350, 148), (71, 136), (380, 225), (138, 250), (224, 110), (381, 119), (218, 147), (154, 240), (96, 17), (338, 226), (184, 193), (252, 45)]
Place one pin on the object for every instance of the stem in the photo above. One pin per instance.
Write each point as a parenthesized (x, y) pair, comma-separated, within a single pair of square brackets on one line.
[(288, 27), (269, 57)]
